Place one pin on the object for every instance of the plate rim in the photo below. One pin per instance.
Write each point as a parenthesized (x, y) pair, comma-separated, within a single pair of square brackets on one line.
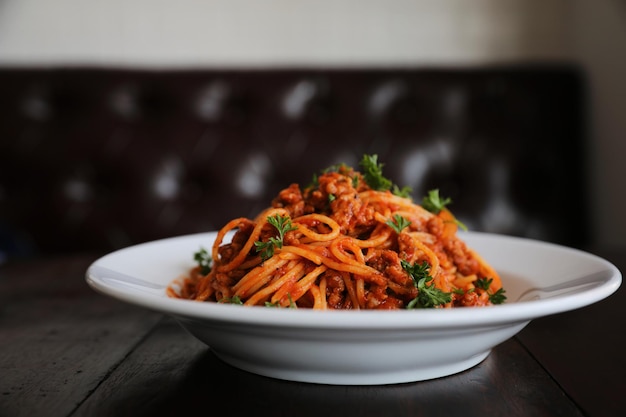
[(363, 319)]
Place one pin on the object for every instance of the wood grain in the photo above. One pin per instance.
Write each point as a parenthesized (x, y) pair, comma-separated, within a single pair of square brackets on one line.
[(59, 338)]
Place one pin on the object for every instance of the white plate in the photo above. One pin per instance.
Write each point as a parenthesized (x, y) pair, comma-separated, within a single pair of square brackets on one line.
[(362, 347)]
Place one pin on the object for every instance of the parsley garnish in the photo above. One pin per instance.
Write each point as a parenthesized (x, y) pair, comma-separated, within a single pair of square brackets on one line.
[(277, 303), (434, 203), (204, 261), (404, 192), (497, 297), (428, 296), (398, 223), (315, 182), (373, 173), (231, 300), (283, 225), (291, 302), (483, 283)]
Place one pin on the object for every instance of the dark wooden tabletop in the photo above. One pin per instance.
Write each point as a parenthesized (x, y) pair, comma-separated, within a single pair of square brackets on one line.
[(68, 351)]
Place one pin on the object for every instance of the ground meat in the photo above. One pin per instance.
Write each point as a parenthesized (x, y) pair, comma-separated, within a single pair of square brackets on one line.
[(406, 247), (316, 201), (336, 291), (375, 297), (390, 303), (454, 248), (388, 262), (291, 200), (434, 226), (230, 250), (459, 253), (352, 215), (223, 283), (469, 299)]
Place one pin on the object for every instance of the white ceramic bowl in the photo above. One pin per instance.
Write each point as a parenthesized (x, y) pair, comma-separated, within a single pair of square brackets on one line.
[(362, 347)]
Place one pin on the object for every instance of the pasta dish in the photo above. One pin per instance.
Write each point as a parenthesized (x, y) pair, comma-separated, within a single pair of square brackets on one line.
[(349, 240)]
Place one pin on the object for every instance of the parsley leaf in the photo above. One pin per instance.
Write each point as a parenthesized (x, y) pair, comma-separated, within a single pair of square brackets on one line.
[(232, 300), (373, 173), (428, 295), (398, 223), (292, 304), (434, 203), (484, 284), (460, 224), (498, 297), (315, 182), (283, 225), (204, 261), (416, 271), (404, 192), (266, 248)]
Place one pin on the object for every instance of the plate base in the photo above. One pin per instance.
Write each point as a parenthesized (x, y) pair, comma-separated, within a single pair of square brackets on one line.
[(385, 377)]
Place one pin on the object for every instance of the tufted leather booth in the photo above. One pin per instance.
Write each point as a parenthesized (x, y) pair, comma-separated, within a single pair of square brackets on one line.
[(97, 159)]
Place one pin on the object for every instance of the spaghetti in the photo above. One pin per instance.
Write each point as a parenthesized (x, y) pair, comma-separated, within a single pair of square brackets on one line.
[(345, 242)]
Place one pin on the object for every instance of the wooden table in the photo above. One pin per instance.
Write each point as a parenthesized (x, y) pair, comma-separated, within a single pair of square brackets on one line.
[(68, 351)]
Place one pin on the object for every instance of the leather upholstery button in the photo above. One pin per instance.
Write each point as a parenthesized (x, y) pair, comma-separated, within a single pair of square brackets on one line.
[(78, 190), (132, 101), (36, 104), (212, 100), (386, 95), (251, 180), (221, 102), (124, 102), (166, 182), (308, 100)]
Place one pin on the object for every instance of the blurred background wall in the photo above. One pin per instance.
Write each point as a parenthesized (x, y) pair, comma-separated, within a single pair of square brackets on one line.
[(344, 33)]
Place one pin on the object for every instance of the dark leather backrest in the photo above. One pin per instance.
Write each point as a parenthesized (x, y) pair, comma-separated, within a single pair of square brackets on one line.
[(97, 159)]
